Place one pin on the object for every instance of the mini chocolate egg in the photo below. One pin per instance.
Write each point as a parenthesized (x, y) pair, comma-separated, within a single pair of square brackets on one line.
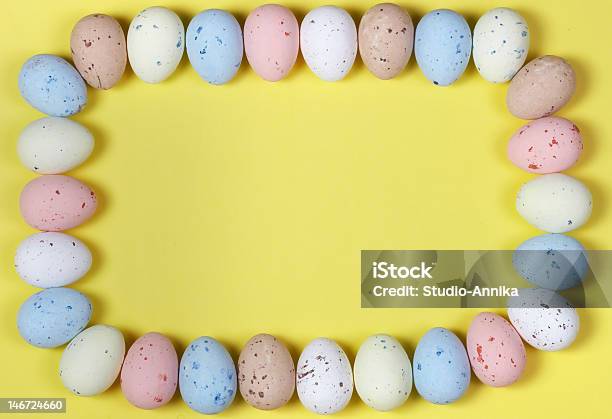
[(54, 145), (53, 86), (51, 317), (555, 203), (56, 203), (266, 373), (541, 88), (553, 261), (544, 319), (92, 361), (207, 376), (155, 44), (214, 45), (501, 44), (328, 40), (546, 145), (383, 374), (441, 367), (149, 375), (98, 50), (324, 377), (495, 350), (443, 45), (47, 260), (386, 37), (271, 41)]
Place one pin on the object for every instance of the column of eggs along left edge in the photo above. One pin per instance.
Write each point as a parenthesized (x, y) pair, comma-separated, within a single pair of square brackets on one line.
[(206, 375)]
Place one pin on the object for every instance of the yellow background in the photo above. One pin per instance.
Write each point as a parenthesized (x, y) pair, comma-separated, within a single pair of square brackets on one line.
[(234, 210)]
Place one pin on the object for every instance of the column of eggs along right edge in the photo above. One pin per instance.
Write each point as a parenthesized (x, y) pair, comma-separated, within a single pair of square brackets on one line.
[(553, 202)]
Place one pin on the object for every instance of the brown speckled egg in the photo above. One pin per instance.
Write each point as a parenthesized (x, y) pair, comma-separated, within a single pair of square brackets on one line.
[(98, 50), (541, 88), (266, 373), (386, 35)]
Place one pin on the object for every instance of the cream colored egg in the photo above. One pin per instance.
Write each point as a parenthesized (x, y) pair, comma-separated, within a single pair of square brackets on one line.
[(92, 361), (383, 374), (555, 203), (54, 145), (155, 44)]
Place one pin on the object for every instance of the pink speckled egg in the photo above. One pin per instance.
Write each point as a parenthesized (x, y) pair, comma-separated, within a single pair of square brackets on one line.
[(150, 371), (56, 203), (98, 50), (495, 350), (546, 145), (271, 41)]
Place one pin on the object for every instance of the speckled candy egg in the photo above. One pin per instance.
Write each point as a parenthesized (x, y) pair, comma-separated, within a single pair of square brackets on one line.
[(555, 203), (328, 40), (51, 85), (98, 50), (324, 377), (207, 376), (271, 41), (386, 37), (495, 350), (150, 371), (266, 373), (501, 44), (214, 45), (546, 145), (541, 88), (441, 367), (54, 145), (50, 259), (51, 317), (155, 44), (56, 203), (443, 44), (544, 319), (553, 261), (383, 374), (91, 362)]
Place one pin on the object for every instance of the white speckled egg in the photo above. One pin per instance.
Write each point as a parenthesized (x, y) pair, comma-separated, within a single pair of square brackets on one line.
[(328, 39), (324, 377), (54, 145), (544, 319), (555, 203), (383, 373), (92, 361), (155, 44), (501, 44), (52, 259)]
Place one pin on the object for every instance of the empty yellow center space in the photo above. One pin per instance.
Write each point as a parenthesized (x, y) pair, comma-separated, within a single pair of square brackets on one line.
[(240, 209)]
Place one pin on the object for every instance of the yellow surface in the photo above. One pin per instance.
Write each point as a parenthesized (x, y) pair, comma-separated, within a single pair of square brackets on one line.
[(240, 209)]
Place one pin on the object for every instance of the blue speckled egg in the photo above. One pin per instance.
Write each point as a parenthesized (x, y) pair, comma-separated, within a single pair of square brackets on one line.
[(553, 261), (443, 44), (214, 45), (441, 367), (207, 376), (54, 316), (52, 85)]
